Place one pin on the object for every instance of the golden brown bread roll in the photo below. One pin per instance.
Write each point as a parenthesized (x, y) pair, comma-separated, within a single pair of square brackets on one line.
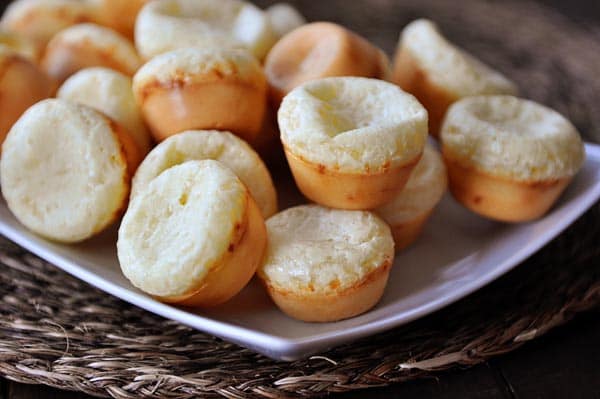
[(193, 88), (320, 50), (351, 142), (66, 170), (194, 236), (509, 159), (326, 264), (438, 73)]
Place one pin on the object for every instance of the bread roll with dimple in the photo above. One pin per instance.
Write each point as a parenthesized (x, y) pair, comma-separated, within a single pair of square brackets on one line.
[(224, 147), (22, 84), (166, 25), (88, 45), (509, 159), (319, 50), (351, 142), (66, 170), (408, 212), (325, 264), (439, 73), (194, 236), (40, 20), (193, 88), (110, 92), (284, 18)]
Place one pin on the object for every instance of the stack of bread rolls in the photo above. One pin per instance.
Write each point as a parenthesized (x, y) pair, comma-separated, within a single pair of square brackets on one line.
[(162, 108)]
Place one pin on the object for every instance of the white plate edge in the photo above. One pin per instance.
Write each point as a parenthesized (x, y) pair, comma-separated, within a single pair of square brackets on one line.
[(292, 349)]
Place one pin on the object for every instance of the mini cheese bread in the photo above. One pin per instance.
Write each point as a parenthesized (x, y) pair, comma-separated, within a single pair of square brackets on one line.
[(409, 210), (284, 18), (509, 159), (224, 147), (320, 50), (110, 92), (40, 20), (65, 170), (438, 73), (351, 142), (193, 88), (87, 45), (166, 25), (325, 264), (22, 84), (194, 236), (24, 46), (119, 15)]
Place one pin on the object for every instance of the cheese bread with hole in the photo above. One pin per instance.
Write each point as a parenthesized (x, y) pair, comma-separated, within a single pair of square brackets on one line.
[(325, 264), (508, 158), (110, 92), (224, 147), (66, 170), (166, 25), (193, 236), (351, 142), (439, 73), (193, 88), (408, 212)]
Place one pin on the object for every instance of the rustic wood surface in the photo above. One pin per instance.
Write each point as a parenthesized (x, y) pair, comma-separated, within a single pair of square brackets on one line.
[(562, 364)]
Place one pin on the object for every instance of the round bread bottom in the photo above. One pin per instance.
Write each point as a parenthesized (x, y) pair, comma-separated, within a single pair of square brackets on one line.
[(407, 232), (338, 51), (500, 198), (345, 190), (327, 307), (238, 108), (414, 80), (235, 269)]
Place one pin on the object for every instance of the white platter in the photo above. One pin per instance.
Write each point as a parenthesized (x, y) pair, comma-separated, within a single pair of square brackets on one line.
[(457, 254)]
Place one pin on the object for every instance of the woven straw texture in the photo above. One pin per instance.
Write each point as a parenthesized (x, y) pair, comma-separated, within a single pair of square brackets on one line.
[(58, 331)]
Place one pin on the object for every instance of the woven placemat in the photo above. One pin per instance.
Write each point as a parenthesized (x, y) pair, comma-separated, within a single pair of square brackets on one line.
[(58, 331)]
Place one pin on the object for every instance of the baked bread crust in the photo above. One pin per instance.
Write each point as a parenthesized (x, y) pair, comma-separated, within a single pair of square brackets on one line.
[(325, 264), (22, 84), (63, 192), (40, 20), (439, 73), (88, 45), (167, 25), (508, 158), (351, 142), (193, 236), (224, 147), (194, 88), (409, 210), (320, 50), (109, 92)]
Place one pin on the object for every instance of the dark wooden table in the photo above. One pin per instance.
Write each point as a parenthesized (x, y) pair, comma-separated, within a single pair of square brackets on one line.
[(563, 364)]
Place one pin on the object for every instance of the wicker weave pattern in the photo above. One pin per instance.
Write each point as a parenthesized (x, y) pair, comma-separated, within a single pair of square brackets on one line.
[(58, 331)]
